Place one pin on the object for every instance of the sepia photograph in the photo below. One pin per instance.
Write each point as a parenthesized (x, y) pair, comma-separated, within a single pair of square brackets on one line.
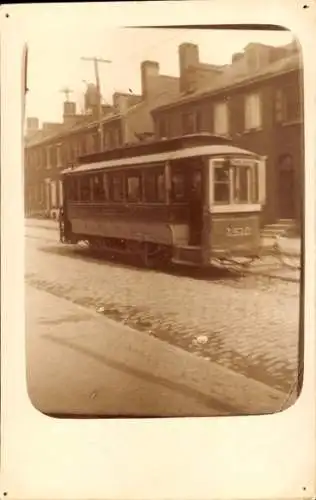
[(164, 219)]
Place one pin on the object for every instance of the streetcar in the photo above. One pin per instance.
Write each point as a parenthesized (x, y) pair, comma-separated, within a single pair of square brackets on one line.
[(195, 200)]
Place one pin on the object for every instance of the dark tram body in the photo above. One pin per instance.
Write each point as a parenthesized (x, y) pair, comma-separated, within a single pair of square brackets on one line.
[(189, 200)]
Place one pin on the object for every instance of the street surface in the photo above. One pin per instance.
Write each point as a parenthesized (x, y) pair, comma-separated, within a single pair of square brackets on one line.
[(249, 325), (82, 364)]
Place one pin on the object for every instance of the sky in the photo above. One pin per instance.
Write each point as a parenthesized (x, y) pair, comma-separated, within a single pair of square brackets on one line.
[(59, 36)]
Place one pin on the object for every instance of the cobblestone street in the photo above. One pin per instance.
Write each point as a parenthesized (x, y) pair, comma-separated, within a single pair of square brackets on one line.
[(247, 324)]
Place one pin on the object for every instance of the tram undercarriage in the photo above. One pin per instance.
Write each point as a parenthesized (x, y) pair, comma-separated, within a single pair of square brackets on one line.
[(152, 255)]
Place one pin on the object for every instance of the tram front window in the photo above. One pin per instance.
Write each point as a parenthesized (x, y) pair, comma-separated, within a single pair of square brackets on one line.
[(221, 185), (241, 184)]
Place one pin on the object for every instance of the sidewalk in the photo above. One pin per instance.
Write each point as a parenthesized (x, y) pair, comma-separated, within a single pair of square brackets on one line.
[(82, 362), (42, 223)]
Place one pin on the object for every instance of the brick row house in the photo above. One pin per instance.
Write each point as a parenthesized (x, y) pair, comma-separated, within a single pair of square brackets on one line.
[(256, 101), (56, 146)]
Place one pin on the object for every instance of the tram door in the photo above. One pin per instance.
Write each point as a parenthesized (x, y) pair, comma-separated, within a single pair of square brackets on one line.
[(195, 206)]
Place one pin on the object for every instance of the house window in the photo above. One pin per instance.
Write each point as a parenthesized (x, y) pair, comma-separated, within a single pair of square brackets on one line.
[(162, 127), (48, 157), (154, 186), (253, 112), (83, 146), (134, 191), (221, 126), (53, 191), (287, 105), (90, 143), (279, 106), (95, 143), (59, 158), (190, 122)]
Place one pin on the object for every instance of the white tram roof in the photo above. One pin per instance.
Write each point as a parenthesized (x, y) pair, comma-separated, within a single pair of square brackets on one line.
[(211, 150)]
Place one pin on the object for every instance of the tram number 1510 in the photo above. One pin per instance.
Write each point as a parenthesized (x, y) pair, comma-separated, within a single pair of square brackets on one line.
[(238, 231)]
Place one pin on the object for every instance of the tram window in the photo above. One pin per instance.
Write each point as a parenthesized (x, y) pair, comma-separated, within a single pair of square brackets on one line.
[(70, 190), (178, 190), (154, 186), (134, 188), (98, 188), (85, 188), (117, 187), (255, 184), (161, 189), (241, 187), (221, 185), (243, 184)]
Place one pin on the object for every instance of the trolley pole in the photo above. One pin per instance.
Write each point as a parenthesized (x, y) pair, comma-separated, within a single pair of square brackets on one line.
[(96, 62)]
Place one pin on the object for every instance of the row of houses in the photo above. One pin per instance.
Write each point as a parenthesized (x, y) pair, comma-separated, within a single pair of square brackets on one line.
[(256, 100)]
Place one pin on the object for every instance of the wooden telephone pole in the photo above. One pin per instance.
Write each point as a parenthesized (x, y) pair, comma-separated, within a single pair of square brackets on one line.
[(96, 62)]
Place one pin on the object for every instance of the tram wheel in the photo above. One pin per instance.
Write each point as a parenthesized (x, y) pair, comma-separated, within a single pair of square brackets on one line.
[(154, 255)]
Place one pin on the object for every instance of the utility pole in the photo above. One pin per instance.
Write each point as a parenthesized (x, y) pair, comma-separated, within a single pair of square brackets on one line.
[(96, 62)]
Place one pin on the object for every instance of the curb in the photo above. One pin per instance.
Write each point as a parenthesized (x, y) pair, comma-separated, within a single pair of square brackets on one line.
[(231, 393), (287, 279), (43, 226)]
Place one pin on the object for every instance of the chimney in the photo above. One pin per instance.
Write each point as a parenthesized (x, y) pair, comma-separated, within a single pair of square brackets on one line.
[(120, 102), (91, 97), (188, 56), (106, 109), (237, 57), (257, 56), (69, 111), (149, 75), (188, 59), (32, 125)]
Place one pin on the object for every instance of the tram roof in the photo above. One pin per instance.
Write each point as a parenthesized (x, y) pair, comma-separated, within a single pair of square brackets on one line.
[(155, 146), (209, 151)]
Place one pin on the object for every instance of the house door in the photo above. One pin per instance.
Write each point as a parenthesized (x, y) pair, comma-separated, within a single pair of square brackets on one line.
[(286, 187)]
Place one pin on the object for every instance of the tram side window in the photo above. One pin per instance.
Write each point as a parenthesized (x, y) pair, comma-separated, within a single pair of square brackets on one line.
[(134, 185), (98, 188), (178, 187), (85, 188), (221, 185), (154, 186), (116, 187), (72, 190)]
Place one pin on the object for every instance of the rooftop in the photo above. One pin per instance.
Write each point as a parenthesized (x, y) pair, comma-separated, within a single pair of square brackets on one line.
[(232, 77)]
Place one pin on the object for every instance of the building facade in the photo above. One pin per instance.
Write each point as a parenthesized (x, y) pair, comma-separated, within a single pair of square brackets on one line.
[(55, 147), (257, 101)]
